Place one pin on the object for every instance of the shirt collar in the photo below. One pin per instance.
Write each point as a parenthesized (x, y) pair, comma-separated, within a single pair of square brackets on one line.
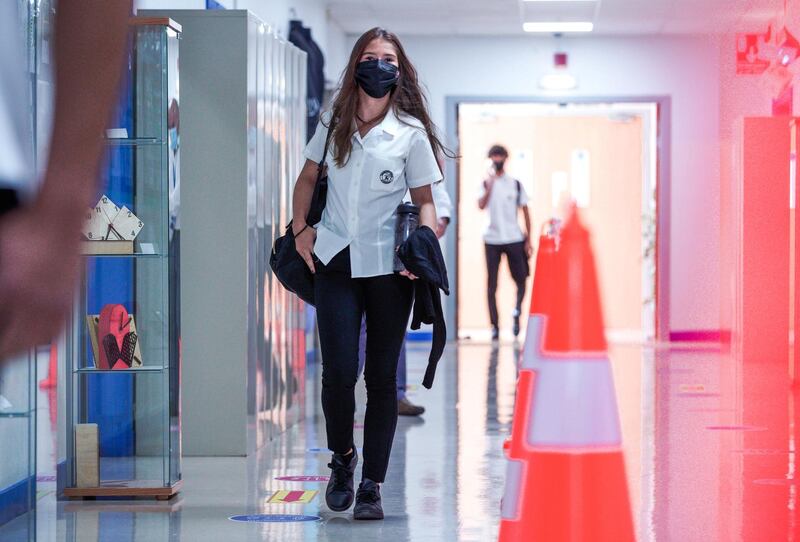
[(390, 125)]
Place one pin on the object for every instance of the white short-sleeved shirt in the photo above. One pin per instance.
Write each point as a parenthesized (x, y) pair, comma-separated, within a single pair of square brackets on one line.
[(502, 225), (363, 195), (16, 157)]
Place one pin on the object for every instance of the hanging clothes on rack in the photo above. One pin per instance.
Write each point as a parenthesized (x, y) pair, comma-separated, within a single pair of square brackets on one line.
[(315, 81)]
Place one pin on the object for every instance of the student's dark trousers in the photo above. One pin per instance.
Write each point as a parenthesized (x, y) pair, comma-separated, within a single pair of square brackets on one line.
[(341, 301), (517, 263)]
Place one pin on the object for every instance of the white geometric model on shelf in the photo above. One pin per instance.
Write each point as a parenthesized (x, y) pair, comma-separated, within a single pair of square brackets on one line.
[(107, 222)]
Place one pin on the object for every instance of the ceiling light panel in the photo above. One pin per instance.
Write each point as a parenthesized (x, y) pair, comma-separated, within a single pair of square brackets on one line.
[(556, 27)]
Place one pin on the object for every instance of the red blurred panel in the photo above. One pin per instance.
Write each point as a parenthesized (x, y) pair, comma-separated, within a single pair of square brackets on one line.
[(763, 285)]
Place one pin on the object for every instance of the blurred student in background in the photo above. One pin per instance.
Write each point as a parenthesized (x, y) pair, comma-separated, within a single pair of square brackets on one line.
[(502, 197)]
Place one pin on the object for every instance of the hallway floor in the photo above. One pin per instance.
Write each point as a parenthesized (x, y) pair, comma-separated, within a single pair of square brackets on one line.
[(709, 447)]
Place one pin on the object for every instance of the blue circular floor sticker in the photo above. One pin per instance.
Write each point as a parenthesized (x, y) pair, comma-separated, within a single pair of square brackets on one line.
[(273, 518)]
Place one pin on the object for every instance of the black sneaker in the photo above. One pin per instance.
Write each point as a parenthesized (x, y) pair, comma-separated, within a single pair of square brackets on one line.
[(495, 333), (339, 494), (515, 329), (368, 501)]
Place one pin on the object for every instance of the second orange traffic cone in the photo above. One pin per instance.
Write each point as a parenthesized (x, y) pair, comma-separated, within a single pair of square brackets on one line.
[(566, 475), (541, 302)]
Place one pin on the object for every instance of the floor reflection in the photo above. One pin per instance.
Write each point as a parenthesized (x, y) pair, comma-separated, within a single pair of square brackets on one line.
[(710, 449)]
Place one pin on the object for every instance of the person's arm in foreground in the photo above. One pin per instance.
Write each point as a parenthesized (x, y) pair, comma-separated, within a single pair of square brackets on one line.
[(39, 262)]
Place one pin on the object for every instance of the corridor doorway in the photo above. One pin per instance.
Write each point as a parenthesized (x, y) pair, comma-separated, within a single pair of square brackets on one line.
[(604, 156)]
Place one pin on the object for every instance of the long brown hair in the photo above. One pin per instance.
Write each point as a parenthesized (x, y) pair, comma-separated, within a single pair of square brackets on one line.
[(406, 97)]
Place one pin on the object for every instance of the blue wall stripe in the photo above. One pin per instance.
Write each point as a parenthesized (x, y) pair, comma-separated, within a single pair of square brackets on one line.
[(17, 499), (419, 336)]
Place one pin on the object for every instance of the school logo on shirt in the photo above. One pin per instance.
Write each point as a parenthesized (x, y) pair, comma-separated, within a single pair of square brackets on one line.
[(386, 177)]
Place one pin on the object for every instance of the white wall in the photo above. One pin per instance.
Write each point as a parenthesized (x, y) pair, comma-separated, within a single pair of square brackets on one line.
[(277, 13), (686, 68)]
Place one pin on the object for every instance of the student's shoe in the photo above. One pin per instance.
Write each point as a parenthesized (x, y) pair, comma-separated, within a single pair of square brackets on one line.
[(515, 328), (339, 494), (407, 408), (495, 333), (368, 501)]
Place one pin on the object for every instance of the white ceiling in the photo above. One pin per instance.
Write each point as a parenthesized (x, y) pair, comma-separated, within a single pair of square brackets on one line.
[(505, 17)]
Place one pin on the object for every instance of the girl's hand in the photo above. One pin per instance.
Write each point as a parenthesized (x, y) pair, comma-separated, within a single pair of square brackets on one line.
[(304, 244), (409, 274)]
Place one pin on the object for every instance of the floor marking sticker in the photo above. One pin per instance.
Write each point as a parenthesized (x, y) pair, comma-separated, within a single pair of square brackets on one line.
[(698, 394), (675, 370), (775, 482), (735, 428), (303, 478), (691, 388), (273, 518), (288, 496), (762, 451)]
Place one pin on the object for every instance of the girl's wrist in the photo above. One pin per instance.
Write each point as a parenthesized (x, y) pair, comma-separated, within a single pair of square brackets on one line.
[(298, 227)]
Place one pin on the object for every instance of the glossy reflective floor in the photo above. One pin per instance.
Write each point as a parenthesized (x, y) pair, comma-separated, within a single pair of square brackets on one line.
[(710, 447)]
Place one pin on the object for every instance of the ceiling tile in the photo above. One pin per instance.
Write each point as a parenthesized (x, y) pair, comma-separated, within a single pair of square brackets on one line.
[(505, 17)]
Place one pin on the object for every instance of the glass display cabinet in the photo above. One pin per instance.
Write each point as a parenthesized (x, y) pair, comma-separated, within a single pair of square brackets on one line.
[(18, 448), (123, 351)]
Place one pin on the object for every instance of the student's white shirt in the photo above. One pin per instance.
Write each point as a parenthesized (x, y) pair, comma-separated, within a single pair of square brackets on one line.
[(502, 224), (363, 195), (16, 157)]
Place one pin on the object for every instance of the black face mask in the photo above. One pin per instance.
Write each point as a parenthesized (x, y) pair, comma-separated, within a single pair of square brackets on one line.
[(376, 77), (498, 165)]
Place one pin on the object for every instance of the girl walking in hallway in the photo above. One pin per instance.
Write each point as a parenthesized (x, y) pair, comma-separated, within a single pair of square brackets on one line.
[(381, 144)]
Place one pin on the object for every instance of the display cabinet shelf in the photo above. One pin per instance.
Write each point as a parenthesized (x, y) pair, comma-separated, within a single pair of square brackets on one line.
[(15, 414), (123, 351), (135, 255), (92, 370)]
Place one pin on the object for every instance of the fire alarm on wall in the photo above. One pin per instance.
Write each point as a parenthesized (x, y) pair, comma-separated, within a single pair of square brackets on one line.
[(560, 78)]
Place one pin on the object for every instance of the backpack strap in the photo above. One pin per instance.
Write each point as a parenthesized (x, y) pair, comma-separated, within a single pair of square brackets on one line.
[(519, 192), (328, 138)]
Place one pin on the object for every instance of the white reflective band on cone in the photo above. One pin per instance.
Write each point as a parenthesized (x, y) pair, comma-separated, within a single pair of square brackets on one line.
[(574, 404), (511, 498), (531, 353)]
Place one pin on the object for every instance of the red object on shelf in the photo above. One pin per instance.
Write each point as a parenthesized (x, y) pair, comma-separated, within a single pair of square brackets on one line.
[(115, 321)]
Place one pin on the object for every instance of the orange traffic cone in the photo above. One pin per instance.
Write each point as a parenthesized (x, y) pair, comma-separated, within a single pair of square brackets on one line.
[(566, 474)]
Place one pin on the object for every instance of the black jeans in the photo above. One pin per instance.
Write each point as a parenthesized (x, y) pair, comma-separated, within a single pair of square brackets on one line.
[(341, 301), (517, 263)]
